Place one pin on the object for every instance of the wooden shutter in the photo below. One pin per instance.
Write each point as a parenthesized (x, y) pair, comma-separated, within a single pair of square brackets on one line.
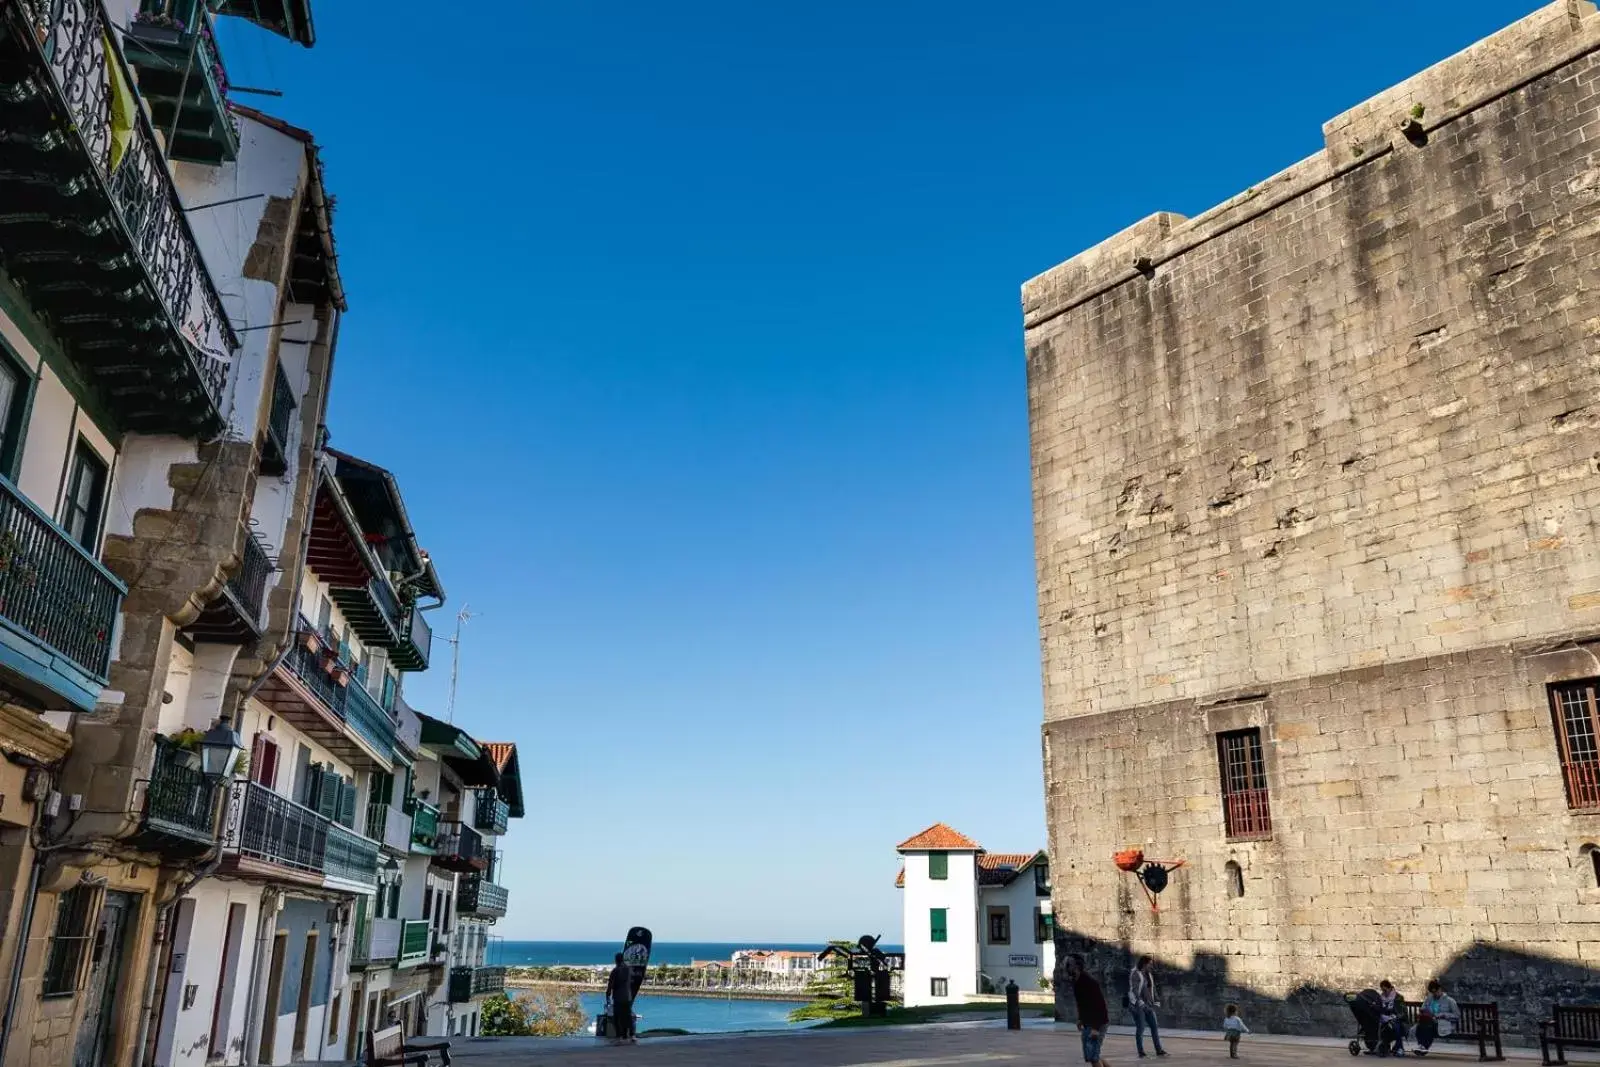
[(938, 929), (328, 793), (347, 802), (939, 866)]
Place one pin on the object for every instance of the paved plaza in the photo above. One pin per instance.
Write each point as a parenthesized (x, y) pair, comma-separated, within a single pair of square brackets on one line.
[(952, 1045)]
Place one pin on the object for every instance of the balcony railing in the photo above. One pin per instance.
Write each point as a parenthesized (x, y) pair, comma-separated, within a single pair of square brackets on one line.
[(180, 803), (460, 848), (274, 829), (249, 583), (173, 44), (477, 895), (349, 702), (416, 643), (351, 857), (424, 826), (469, 982), (389, 826), (493, 814), (162, 352), (369, 720), (275, 448), (58, 597), (416, 940)]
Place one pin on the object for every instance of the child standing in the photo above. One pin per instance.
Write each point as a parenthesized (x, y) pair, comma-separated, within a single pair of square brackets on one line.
[(1233, 1028)]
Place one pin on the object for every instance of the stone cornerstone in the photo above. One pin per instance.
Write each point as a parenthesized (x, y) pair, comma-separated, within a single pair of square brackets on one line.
[(1324, 463)]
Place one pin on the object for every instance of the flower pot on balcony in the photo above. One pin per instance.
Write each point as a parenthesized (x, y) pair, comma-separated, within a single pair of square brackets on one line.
[(186, 758), (312, 642), (154, 34), (341, 676)]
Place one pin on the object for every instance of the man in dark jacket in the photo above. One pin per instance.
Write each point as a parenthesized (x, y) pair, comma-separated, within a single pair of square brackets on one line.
[(1093, 1016), (619, 990)]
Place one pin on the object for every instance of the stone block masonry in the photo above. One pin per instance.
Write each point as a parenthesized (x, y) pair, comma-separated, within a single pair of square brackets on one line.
[(1324, 463)]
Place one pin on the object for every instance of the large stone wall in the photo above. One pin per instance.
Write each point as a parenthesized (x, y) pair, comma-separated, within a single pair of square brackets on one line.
[(1326, 461)]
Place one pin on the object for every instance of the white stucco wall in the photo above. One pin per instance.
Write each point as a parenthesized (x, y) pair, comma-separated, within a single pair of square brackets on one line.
[(1020, 897), (955, 959), (258, 718), (184, 1037)]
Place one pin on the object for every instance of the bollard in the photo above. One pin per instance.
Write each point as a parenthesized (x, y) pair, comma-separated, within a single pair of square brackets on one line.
[(1013, 1006)]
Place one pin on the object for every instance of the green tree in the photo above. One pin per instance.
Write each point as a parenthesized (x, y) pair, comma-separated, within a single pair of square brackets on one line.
[(504, 1017), (831, 989), (553, 1010)]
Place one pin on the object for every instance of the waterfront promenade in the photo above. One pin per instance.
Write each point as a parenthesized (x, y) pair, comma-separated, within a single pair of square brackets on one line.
[(1039, 1044)]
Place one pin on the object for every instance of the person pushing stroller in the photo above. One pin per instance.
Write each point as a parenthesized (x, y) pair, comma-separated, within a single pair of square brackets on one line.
[(1380, 1020)]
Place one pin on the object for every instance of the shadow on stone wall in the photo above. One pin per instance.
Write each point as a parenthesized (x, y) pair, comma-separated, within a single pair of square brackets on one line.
[(1524, 985)]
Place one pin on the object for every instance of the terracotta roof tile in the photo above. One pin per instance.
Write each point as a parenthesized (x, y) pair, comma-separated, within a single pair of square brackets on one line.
[(991, 860), (940, 838)]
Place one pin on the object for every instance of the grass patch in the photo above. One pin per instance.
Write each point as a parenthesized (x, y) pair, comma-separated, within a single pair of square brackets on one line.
[(912, 1016)]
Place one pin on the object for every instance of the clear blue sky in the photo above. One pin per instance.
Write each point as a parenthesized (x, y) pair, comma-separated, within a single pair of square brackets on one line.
[(692, 334)]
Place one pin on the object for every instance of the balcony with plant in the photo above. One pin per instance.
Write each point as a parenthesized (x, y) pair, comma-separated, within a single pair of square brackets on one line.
[(315, 689), (173, 45)]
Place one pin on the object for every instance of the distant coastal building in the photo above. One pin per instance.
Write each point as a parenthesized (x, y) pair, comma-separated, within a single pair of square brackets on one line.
[(973, 919), (774, 961)]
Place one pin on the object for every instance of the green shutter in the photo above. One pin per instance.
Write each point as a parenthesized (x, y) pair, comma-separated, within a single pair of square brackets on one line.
[(328, 793), (937, 930), (347, 803), (938, 866)]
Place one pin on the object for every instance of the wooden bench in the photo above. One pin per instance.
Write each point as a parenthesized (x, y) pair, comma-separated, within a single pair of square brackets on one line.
[(388, 1048), (1479, 1025), (1569, 1026)]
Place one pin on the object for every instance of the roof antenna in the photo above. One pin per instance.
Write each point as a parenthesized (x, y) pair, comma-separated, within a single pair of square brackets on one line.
[(455, 663)]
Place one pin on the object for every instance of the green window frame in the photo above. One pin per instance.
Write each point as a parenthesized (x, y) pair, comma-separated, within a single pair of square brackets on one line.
[(938, 866), (85, 503), (16, 399), (938, 924)]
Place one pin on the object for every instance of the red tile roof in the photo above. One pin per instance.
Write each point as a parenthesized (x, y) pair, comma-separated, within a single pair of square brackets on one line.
[(939, 838), (991, 860), (500, 752)]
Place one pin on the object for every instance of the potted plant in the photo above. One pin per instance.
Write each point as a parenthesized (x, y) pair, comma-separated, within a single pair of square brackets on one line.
[(186, 747), (311, 642), (157, 28), (341, 674)]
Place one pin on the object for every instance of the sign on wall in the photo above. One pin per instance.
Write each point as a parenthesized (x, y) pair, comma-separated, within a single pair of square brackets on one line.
[(1022, 961)]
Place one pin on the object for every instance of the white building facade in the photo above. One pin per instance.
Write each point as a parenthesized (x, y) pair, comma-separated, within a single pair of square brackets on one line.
[(973, 920)]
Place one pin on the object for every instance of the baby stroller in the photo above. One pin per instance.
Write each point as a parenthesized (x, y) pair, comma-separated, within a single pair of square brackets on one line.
[(1378, 1032)]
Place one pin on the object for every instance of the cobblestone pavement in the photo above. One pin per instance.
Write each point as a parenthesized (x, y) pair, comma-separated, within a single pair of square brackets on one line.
[(912, 1046)]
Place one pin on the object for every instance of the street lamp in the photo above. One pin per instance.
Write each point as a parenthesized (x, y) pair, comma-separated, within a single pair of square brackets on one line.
[(219, 751)]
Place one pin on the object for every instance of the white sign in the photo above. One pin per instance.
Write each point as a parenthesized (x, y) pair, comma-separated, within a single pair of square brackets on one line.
[(1022, 961)]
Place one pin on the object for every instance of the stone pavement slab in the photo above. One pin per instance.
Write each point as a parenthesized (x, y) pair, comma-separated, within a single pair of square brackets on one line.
[(951, 1045)]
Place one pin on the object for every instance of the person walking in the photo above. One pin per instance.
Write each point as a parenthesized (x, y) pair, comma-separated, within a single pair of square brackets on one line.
[(1142, 1001), (1233, 1028), (1093, 1016), (619, 992)]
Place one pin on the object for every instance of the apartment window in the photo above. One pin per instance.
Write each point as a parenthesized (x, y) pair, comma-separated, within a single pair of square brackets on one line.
[(939, 987), (67, 943), (264, 762), (1573, 706), (86, 496), (325, 618), (938, 928), (1245, 809), (13, 403), (938, 866), (1044, 927), (1041, 879), (999, 926)]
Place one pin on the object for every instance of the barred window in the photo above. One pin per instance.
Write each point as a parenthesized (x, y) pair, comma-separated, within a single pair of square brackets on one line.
[(1573, 707), (1246, 810), (69, 941)]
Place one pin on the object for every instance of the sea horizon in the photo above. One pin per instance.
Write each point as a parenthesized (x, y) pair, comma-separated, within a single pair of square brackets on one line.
[(595, 953)]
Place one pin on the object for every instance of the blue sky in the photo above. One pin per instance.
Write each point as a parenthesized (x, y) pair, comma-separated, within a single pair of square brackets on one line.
[(692, 334)]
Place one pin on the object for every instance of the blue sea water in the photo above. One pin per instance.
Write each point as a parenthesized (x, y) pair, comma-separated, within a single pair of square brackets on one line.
[(702, 1015), (592, 953)]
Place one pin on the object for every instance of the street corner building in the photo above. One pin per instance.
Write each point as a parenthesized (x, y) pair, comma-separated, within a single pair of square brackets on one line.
[(1316, 481), (225, 838)]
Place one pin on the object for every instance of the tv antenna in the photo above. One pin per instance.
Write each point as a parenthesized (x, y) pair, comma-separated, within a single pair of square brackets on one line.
[(455, 662)]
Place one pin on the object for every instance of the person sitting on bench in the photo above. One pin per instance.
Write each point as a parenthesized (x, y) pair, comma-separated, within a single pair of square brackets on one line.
[(1438, 1018)]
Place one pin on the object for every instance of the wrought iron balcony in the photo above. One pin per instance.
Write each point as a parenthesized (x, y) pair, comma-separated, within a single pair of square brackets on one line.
[(493, 814), (280, 419), (91, 226), (58, 608), (416, 941), (477, 895), (389, 826), (350, 857), (173, 46), (314, 689), (424, 826), (291, 18), (415, 647), (180, 804), (265, 828), (460, 848), (236, 614), (469, 982)]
